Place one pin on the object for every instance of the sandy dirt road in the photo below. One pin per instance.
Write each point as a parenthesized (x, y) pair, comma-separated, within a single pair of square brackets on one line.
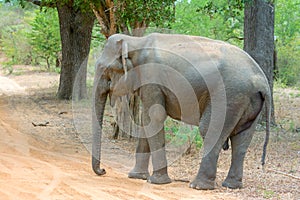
[(34, 168)]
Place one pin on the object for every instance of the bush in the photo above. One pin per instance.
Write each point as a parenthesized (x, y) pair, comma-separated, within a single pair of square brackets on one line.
[(288, 63), (29, 36), (15, 44), (287, 33), (13, 32), (44, 37), (178, 134)]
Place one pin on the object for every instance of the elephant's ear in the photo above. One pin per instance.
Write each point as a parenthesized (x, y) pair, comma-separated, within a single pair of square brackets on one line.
[(124, 54)]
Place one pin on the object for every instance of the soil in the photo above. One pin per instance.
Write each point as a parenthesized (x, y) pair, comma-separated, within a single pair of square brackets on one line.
[(44, 155)]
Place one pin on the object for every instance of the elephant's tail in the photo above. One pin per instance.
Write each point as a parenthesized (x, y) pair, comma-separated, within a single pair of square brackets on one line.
[(268, 105)]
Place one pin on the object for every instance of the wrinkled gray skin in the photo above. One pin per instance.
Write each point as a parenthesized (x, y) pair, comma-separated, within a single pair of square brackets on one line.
[(229, 87)]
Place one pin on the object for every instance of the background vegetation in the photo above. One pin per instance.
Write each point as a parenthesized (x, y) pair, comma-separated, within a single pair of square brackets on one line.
[(44, 37), (287, 32), (31, 36)]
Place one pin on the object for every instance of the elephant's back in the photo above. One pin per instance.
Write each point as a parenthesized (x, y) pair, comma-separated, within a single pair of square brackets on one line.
[(198, 51), (199, 59)]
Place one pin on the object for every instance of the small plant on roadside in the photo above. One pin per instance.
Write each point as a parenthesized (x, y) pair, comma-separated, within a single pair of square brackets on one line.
[(179, 134), (268, 194), (8, 66)]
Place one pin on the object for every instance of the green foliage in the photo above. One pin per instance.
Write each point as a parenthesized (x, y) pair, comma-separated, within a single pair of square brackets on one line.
[(179, 134), (160, 12), (223, 20), (287, 20), (288, 63), (287, 31), (29, 36), (98, 39), (15, 45), (8, 66), (214, 19), (268, 194), (13, 28), (44, 36)]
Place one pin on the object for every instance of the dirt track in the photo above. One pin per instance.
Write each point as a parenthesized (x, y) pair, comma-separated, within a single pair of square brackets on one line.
[(52, 163), (28, 171)]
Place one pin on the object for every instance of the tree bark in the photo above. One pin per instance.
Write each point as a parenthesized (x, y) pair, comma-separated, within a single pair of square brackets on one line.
[(259, 37), (76, 31)]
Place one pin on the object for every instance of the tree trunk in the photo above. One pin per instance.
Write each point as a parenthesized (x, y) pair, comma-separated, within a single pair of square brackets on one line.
[(75, 30), (259, 37)]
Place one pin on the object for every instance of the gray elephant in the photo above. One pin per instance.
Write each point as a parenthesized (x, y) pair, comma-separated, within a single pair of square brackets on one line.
[(200, 81)]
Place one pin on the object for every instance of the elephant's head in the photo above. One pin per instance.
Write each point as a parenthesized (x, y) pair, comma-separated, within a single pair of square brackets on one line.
[(112, 67)]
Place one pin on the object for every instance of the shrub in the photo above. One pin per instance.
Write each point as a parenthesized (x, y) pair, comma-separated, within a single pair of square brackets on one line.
[(288, 63), (15, 44), (179, 134), (13, 30), (44, 37), (287, 33)]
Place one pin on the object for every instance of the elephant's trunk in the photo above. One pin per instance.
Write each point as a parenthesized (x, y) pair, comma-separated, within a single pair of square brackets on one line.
[(100, 97)]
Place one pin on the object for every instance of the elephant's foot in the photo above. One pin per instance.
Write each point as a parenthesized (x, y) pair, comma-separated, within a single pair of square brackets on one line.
[(138, 175), (158, 178), (232, 184), (200, 184)]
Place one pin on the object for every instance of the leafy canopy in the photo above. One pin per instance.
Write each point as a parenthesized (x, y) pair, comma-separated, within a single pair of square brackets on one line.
[(157, 12)]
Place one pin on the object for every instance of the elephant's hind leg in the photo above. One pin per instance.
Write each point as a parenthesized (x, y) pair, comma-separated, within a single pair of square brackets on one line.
[(241, 141), (216, 125), (239, 144), (213, 142)]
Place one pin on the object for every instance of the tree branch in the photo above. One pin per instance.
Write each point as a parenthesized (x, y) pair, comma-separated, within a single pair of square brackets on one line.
[(285, 174), (106, 17)]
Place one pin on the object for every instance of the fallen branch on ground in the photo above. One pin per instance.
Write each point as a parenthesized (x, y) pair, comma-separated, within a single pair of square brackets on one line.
[(182, 180), (285, 174), (63, 112), (40, 124)]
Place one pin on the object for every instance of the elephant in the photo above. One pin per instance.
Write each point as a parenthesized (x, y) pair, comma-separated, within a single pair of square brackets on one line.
[(200, 81)]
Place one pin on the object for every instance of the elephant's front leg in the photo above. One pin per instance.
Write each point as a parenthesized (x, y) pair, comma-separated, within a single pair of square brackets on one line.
[(142, 155), (153, 117), (159, 161)]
